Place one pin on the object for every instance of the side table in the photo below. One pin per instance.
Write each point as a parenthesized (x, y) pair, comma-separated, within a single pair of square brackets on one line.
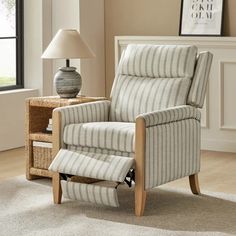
[(39, 143)]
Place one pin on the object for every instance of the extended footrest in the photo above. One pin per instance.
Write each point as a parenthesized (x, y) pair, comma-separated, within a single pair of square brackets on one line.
[(93, 193), (92, 165)]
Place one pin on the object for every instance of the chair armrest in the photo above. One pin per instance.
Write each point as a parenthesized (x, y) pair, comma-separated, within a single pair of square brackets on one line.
[(85, 112), (81, 113), (167, 145), (172, 114)]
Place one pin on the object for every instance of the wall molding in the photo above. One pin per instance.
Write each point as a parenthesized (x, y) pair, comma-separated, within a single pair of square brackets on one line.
[(204, 110), (218, 145), (222, 124)]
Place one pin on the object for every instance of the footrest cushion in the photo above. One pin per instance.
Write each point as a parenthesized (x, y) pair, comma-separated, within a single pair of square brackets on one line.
[(90, 193), (92, 165)]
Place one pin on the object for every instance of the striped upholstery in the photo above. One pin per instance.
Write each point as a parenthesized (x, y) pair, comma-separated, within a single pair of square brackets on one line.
[(199, 84), (154, 83), (87, 112), (150, 78), (159, 61), (135, 96), (90, 193), (109, 135), (171, 115), (172, 151), (92, 165), (172, 144), (99, 151)]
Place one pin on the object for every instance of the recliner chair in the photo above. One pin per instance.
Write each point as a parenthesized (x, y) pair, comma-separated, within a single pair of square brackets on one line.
[(151, 126)]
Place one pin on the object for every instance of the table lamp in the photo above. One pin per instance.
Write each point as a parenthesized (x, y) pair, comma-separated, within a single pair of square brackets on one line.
[(67, 44)]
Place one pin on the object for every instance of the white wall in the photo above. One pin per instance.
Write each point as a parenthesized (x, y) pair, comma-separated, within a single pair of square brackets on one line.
[(12, 116), (47, 75), (92, 30), (37, 35), (87, 16), (33, 44), (42, 20), (65, 14), (12, 103)]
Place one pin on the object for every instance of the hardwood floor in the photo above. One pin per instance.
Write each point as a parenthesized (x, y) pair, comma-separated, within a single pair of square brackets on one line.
[(218, 173), (12, 163), (218, 170)]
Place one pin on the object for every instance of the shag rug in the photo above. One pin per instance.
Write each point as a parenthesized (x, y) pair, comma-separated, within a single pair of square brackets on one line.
[(26, 208)]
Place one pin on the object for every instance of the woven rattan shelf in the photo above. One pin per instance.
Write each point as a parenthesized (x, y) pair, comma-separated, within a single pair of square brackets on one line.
[(40, 136), (38, 112)]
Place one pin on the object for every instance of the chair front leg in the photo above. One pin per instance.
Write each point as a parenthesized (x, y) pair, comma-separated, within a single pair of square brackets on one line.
[(140, 142), (56, 186), (140, 199), (56, 140)]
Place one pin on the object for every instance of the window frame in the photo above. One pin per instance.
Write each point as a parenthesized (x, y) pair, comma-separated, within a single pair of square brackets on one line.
[(19, 37)]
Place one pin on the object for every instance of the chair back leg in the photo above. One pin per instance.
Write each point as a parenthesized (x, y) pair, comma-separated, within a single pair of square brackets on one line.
[(194, 184)]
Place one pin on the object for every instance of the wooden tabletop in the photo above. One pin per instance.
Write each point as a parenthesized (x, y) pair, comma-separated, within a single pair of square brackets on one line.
[(56, 101)]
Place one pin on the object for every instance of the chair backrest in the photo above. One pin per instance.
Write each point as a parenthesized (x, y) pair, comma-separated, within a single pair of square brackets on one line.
[(155, 77)]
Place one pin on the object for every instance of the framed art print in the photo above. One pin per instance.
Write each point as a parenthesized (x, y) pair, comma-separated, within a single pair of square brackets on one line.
[(201, 17)]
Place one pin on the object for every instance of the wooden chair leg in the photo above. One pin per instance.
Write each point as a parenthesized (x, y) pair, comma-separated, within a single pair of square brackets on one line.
[(140, 142), (194, 184), (140, 200), (56, 186)]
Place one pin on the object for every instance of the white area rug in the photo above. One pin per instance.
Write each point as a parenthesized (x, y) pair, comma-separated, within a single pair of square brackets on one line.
[(26, 208)]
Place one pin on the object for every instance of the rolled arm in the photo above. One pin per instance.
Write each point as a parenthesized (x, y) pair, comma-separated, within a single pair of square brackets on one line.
[(81, 113), (172, 114), (86, 112)]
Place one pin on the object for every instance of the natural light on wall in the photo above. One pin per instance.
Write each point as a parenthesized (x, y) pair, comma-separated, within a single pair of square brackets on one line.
[(7, 43)]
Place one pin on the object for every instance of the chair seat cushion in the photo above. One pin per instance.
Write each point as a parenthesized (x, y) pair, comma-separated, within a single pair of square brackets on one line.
[(110, 135)]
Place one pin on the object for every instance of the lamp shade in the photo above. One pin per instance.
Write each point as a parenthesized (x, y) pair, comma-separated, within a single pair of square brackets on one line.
[(67, 44)]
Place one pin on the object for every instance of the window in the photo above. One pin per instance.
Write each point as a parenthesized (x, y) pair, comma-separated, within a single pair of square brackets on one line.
[(11, 44)]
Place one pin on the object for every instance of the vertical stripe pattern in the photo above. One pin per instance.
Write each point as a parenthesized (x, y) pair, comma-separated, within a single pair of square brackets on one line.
[(151, 78), (172, 152), (82, 113), (172, 145), (99, 151), (90, 193), (199, 84), (171, 115), (136, 95), (159, 61), (109, 135), (92, 165)]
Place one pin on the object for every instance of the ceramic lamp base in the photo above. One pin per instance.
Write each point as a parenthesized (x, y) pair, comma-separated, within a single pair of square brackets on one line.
[(67, 82)]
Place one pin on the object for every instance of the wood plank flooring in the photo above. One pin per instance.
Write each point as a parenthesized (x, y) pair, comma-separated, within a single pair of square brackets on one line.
[(12, 163), (218, 170)]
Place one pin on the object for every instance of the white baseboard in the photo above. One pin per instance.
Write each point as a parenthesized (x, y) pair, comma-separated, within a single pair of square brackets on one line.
[(218, 145)]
